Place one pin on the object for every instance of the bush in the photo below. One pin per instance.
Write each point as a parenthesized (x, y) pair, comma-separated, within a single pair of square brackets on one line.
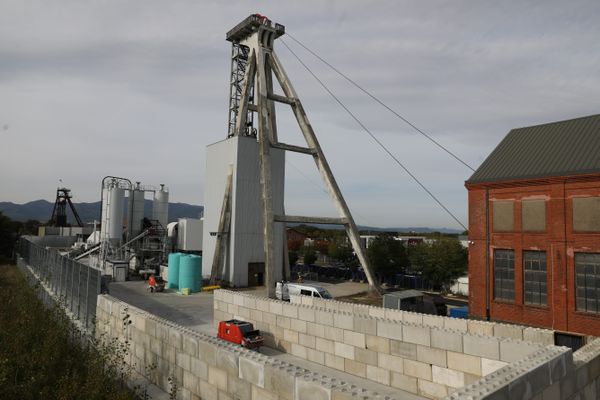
[(43, 356)]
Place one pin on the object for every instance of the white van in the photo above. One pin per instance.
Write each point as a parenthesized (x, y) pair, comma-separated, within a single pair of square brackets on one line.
[(283, 290)]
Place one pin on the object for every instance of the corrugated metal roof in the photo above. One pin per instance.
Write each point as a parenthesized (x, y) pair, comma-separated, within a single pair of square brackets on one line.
[(561, 148)]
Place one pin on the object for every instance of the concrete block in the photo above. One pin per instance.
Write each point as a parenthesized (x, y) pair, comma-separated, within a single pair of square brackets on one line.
[(308, 390), (175, 338), (228, 361), (354, 339), (252, 371), (276, 308), (315, 329), (477, 345), (269, 318), (209, 392), (240, 388), (283, 322), (324, 317), (291, 336), (488, 366), (508, 331), (447, 340), (333, 361), (279, 381), (217, 377), (431, 389), (433, 321), (457, 324), (355, 368), (378, 344), (315, 356), (412, 318), (390, 330), (403, 382), (365, 356), (207, 352), (263, 305), (404, 350), (324, 345), (256, 315), (431, 355), (391, 363), (379, 375), (299, 351), (464, 362), (238, 299), (536, 335), (261, 394), (306, 340), (394, 315), (375, 312), (344, 350), (298, 325), (514, 350), (199, 368), (335, 334), (190, 382), (190, 345), (183, 361), (368, 326), (559, 366), (480, 328), (343, 321), (290, 311), (417, 369), (416, 334), (243, 313), (448, 377)]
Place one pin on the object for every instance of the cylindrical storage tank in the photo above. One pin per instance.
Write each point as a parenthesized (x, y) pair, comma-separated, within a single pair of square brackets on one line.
[(190, 268), (160, 206), (103, 215), (116, 197), (137, 211), (173, 274)]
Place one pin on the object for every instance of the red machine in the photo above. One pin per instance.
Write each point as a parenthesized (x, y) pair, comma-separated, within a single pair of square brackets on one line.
[(240, 332)]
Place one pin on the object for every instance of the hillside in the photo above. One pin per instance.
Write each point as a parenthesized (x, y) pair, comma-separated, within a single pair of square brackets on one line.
[(41, 210)]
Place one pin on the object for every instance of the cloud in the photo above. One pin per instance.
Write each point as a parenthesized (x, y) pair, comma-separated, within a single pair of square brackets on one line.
[(138, 89)]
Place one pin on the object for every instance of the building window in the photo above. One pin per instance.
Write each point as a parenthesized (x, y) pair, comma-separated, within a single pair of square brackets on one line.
[(504, 275), (533, 215), (587, 282), (503, 216), (535, 289)]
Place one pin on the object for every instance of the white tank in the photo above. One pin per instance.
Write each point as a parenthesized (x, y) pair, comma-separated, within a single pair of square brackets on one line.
[(103, 216), (137, 212), (116, 197), (160, 206)]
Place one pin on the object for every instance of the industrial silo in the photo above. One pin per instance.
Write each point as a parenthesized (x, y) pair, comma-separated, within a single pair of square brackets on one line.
[(116, 198), (103, 216), (137, 210), (160, 206)]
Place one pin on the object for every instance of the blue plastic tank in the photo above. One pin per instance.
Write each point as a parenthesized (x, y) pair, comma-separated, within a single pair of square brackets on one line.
[(173, 274), (190, 273)]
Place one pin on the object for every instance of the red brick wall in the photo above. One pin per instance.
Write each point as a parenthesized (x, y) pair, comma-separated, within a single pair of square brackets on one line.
[(559, 241)]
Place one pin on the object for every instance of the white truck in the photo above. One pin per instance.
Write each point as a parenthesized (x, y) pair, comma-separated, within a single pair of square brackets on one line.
[(283, 290)]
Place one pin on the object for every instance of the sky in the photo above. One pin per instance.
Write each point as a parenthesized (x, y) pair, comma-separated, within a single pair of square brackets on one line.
[(138, 89)]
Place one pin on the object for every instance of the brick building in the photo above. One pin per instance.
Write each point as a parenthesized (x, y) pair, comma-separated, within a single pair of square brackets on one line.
[(534, 228)]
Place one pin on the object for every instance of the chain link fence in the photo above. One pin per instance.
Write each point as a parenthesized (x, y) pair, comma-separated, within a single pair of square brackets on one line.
[(76, 285)]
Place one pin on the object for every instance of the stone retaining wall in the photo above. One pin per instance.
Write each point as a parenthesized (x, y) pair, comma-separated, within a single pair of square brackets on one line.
[(422, 356), (205, 367)]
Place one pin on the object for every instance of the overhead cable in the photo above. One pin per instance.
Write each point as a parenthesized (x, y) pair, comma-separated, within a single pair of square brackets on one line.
[(368, 131), (371, 95)]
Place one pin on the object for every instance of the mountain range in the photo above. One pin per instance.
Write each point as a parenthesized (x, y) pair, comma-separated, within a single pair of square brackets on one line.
[(41, 210)]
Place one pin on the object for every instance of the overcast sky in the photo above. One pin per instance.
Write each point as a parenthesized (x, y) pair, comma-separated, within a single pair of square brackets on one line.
[(139, 88)]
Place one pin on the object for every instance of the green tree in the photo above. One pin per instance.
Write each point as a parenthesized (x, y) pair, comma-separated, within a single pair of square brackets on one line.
[(387, 255), (341, 250), (440, 262), (8, 237), (310, 256)]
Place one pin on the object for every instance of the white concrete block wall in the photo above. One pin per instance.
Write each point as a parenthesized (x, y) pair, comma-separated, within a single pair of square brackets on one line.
[(208, 368), (376, 348)]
